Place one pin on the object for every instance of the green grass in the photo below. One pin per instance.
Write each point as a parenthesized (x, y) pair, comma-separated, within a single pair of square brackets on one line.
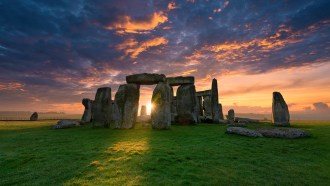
[(32, 154)]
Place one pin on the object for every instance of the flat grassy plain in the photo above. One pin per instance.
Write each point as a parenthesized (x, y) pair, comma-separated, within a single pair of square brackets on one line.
[(33, 154)]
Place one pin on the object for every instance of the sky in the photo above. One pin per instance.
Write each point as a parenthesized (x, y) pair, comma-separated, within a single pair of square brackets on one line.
[(54, 53)]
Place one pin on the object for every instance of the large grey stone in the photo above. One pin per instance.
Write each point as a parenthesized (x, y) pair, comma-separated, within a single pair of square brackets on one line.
[(173, 109), (203, 93), (246, 120), (199, 106), (161, 110), (280, 111), (126, 106), (34, 116), (102, 108), (207, 107), (215, 102), (63, 124), (221, 112), (180, 80), (243, 132), (145, 79), (186, 104), (290, 133), (87, 116), (231, 116)]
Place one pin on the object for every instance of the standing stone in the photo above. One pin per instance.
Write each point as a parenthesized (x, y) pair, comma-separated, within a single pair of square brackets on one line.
[(126, 106), (280, 111), (161, 110), (34, 116), (207, 106), (215, 102), (186, 104), (87, 116), (221, 112), (102, 108), (231, 116), (143, 111), (174, 112), (180, 80), (199, 106)]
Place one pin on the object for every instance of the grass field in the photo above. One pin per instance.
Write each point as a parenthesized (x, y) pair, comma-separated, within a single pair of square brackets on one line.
[(32, 154)]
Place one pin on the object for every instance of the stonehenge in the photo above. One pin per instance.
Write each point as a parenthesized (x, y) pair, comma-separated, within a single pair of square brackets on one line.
[(231, 116), (161, 111), (102, 108), (186, 104), (280, 111)]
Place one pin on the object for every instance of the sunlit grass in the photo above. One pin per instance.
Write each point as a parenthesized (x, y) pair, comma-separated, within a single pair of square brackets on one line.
[(33, 154)]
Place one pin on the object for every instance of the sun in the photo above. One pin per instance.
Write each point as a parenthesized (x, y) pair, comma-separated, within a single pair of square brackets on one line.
[(149, 107)]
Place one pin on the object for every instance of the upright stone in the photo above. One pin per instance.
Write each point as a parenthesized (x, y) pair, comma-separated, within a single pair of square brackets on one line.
[(143, 111), (161, 110), (180, 80), (87, 116), (126, 106), (231, 116), (207, 106), (215, 102), (102, 108), (34, 116), (174, 112), (199, 106), (186, 104), (280, 111), (221, 112)]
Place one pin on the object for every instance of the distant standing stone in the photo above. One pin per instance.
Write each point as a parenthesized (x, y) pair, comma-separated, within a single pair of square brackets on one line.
[(215, 102), (102, 108), (280, 111), (221, 112), (231, 116), (161, 111), (87, 116), (34, 116), (143, 111)]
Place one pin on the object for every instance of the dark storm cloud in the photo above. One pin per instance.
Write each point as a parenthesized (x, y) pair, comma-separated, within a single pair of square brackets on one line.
[(80, 45)]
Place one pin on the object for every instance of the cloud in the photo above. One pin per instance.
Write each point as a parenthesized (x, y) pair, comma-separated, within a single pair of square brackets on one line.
[(126, 24)]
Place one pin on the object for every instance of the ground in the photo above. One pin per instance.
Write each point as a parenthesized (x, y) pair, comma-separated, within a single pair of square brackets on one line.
[(33, 154)]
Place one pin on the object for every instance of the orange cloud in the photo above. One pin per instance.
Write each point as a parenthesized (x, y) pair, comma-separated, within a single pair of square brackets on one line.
[(125, 24), (134, 48), (189, 72), (171, 6), (11, 86)]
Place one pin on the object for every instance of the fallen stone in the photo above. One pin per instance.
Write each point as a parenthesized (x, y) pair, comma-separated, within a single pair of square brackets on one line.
[(34, 116), (63, 124), (87, 116), (102, 108), (180, 80), (203, 93), (126, 106), (243, 132), (143, 111), (146, 79), (280, 111), (237, 125), (161, 111), (246, 120), (289, 133), (186, 104)]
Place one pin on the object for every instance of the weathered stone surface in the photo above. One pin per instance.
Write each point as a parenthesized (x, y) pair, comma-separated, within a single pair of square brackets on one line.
[(34, 116), (199, 106), (87, 116), (280, 111), (221, 112), (186, 104), (243, 132), (63, 124), (143, 111), (180, 80), (246, 120), (215, 102), (203, 93), (161, 110), (102, 108), (207, 106), (126, 106), (237, 125), (173, 109), (231, 116), (290, 133), (146, 79)]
